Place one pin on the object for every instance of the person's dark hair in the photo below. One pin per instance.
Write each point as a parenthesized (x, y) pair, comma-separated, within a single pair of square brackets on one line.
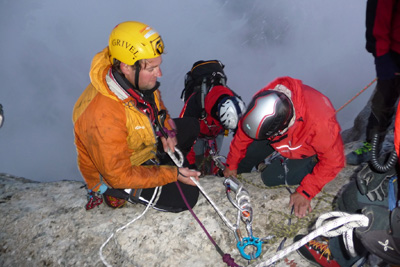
[(117, 65)]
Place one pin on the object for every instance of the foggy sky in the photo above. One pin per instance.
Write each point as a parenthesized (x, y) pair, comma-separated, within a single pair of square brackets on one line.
[(47, 47)]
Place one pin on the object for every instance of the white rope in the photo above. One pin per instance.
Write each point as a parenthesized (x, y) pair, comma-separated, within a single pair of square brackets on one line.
[(226, 221), (346, 230), (156, 194), (335, 232), (179, 164), (344, 224), (349, 243), (353, 220)]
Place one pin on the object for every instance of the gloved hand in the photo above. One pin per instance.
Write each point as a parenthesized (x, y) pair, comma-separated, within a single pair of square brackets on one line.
[(385, 66), (372, 184)]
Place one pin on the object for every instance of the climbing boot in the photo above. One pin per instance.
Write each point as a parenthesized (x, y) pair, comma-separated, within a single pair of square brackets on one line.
[(316, 252), (358, 156), (114, 202)]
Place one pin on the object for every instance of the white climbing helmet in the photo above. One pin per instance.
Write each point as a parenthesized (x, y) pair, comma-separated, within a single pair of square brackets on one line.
[(230, 110)]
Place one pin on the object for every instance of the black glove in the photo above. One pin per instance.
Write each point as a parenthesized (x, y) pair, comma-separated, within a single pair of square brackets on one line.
[(385, 66), (372, 184)]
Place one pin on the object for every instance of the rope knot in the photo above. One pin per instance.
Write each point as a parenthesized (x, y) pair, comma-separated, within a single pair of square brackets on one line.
[(229, 260)]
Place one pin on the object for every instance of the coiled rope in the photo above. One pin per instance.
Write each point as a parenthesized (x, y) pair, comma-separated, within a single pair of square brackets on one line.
[(344, 222)]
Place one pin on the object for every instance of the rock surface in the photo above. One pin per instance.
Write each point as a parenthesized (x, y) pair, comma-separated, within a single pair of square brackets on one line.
[(46, 224)]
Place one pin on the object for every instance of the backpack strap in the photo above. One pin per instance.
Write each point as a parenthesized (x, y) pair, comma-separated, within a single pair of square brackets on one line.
[(203, 92), (205, 88)]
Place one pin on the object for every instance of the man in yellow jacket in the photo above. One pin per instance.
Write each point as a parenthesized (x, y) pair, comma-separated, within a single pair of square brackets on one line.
[(122, 128)]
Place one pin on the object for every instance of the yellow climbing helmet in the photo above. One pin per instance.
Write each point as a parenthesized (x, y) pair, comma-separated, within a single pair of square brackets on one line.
[(131, 41)]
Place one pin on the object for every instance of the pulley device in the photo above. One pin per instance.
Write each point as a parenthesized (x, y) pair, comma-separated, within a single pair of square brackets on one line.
[(240, 199), (245, 211)]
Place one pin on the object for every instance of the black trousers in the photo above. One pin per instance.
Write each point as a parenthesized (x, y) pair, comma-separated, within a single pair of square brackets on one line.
[(170, 199), (275, 174), (383, 104)]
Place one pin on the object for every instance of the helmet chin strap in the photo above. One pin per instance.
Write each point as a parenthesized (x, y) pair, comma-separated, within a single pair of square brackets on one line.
[(128, 87), (137, 70)]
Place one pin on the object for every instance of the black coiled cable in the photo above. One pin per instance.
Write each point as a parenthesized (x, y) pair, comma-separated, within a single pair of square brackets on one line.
[(390, 163)]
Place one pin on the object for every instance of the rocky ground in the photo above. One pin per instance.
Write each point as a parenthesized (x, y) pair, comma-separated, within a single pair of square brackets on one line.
[(46, 224)]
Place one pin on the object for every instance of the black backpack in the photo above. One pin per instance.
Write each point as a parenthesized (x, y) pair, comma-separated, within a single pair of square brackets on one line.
[(202, 77)]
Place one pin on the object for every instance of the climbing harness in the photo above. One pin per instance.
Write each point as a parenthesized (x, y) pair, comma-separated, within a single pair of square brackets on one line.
[(208, 164)]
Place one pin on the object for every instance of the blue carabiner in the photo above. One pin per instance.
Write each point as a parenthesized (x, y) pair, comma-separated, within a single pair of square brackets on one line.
[(250, 241)]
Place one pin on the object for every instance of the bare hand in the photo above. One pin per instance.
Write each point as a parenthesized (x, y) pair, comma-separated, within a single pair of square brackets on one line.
[(300, 203), (169, 143), (228, 172), (184, 175)]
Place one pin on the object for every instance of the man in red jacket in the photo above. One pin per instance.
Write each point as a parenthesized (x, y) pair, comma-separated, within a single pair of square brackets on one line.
[(298, 122), (383, 41)]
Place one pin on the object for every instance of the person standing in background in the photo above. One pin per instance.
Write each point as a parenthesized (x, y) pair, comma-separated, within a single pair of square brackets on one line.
[(383, 42)]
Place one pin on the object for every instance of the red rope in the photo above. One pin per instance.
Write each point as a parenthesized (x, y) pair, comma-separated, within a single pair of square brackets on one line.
[(348, 102), (225, 257)]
